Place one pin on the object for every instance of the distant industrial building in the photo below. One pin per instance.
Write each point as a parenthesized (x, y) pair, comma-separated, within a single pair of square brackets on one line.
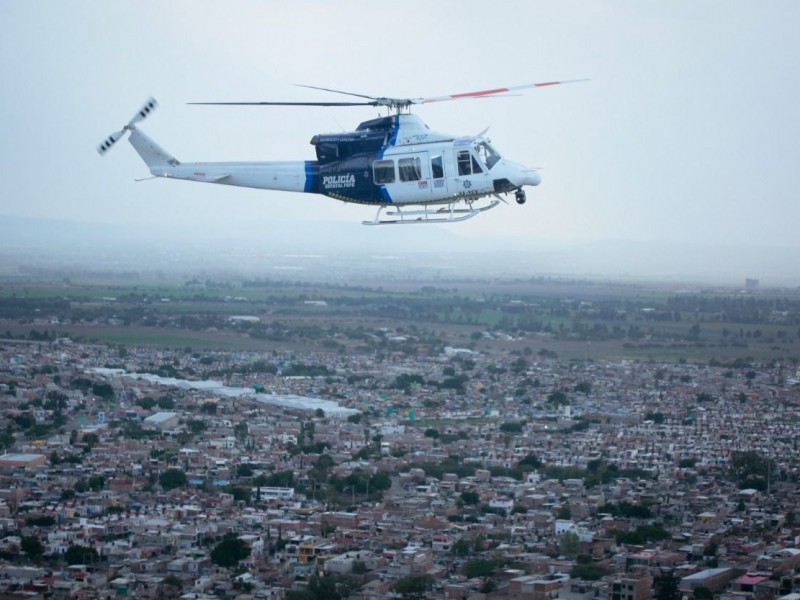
[(162, 420), (751, 284), (27, 461), (712, 579)]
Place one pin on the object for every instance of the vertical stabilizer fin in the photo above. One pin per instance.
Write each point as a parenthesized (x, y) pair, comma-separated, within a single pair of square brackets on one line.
[(152, 154)]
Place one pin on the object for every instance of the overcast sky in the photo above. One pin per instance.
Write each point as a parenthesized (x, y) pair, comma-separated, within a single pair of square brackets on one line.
[(687, 132)]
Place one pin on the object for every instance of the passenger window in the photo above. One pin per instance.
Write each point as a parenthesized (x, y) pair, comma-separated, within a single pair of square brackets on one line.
[(437, 167), (383, 171), (410, 169), (463, 163)]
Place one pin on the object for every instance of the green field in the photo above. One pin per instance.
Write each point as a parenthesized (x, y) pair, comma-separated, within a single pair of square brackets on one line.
[(573, 319)]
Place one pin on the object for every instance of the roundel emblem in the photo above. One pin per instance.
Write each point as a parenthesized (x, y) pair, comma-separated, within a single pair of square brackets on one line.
[(467, 184)]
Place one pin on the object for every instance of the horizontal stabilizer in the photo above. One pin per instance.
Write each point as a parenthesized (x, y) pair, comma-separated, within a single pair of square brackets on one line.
[(200, 176)]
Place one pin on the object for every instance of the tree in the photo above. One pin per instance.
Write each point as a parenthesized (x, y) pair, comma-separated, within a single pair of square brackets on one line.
[(327, 587), (584, 387), (324, 463), (461, 547), (172, 478), (588, 571), (469, 497), (80, 555), (240, 430), (702, 593), (244, 470), (749, 468), (380, 482), (530, 462), (41, 521), (173, 581), (24, 420), (32, 546), (96, 482), (165, 403), (239, 494), (229, 551), (568, 543), (104, 390), (479, 568), (414, 587), (665, 585), (208, 408), (279, 479), (511, 427)]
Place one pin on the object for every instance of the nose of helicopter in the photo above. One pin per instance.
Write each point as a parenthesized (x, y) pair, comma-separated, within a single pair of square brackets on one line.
[(520, 175), (532, 177)]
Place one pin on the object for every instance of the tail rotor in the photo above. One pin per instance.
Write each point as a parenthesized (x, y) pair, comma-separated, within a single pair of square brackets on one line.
[(148, 107), (143, 113), (106, 144)]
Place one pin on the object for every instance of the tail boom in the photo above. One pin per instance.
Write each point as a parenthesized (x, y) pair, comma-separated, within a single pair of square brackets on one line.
[(287, 176)]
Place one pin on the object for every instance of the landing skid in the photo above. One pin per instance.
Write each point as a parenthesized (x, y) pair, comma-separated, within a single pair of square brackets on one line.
[(450, 213)]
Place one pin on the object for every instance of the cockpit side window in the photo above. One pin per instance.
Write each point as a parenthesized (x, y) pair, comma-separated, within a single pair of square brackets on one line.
[(476, 167), (487, 154), (467, 163)]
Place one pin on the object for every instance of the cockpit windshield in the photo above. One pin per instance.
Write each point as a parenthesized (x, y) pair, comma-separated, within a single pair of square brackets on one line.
[(487, 154)]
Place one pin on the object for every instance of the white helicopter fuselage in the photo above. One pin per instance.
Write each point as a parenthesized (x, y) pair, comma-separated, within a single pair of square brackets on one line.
[(391, 161), (394, 162)]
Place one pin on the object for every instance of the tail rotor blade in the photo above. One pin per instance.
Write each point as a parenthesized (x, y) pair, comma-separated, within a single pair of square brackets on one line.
[(148, 107), (106, 144), (144, 111)]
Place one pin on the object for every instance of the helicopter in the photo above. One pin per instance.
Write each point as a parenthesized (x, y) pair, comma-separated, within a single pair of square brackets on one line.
[(395, 162)]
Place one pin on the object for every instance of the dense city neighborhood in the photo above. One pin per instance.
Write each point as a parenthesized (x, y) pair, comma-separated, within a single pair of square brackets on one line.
[(445, 473)]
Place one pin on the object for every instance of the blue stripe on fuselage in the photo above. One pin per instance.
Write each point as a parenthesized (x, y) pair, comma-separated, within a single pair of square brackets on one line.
[(395, 131), (309, 184), (385, 197)]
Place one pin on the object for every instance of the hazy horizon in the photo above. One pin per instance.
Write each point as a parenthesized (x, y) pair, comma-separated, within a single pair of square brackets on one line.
[(341, 252)]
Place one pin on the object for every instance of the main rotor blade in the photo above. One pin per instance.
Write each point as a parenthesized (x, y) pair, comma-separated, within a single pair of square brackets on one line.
[(394, 103), (314, 87), (283, 103), (485, 93)]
